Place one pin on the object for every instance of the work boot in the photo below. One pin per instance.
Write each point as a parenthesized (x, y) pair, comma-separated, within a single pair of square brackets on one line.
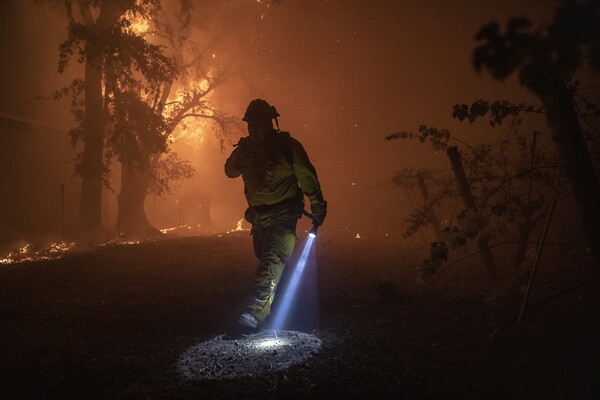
[(248, 320)]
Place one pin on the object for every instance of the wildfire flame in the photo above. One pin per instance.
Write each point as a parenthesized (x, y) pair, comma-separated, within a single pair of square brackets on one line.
[(176, 229), (238, 227), (26, 253), (120, 242), (138, 23), (192, 130), (53, 252)]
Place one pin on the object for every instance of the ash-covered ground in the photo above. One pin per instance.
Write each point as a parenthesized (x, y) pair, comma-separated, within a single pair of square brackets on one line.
[(254, 354), (121, 321)]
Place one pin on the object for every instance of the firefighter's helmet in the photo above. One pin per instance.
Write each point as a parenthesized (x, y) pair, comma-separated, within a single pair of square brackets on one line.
[(260, 110)]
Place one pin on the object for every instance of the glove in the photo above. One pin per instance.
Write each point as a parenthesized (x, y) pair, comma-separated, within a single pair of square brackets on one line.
[(319, 211), (245, 155)]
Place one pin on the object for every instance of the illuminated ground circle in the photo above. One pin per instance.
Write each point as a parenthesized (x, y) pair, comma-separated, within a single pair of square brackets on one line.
[(252, 355)]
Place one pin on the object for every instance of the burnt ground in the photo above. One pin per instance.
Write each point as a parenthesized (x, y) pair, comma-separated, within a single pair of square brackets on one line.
[(111, 323)]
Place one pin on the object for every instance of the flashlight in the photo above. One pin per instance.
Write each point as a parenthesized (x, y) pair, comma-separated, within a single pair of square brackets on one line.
[(313, 232)]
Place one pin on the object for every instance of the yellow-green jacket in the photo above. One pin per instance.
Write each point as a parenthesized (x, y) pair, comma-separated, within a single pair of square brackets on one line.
[(278, 168)]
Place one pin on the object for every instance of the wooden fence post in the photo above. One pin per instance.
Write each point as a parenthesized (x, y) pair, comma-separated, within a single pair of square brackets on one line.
[(469, 201)]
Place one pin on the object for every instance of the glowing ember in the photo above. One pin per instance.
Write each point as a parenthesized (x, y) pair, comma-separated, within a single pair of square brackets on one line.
[(120, 242), (238, 227), (176, 229), (53, 252), (184, 230), (27, 253)]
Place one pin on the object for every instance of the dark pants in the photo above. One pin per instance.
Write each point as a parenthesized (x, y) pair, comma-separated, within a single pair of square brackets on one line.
[(274, 238)]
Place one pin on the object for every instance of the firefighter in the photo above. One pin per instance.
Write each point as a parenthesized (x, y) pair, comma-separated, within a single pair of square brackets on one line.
[(277, 174)]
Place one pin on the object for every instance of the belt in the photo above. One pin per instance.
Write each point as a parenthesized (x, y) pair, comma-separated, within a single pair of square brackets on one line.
[(268, 207)]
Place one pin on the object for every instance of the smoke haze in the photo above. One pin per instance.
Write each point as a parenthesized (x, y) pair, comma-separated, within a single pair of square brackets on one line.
[(342, 74)]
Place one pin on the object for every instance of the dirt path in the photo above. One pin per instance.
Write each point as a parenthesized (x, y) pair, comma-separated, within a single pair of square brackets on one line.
[(113, 323)]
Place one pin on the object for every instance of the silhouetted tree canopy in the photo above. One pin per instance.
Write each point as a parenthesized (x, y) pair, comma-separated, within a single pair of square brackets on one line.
[(570, 41), (546, 60)]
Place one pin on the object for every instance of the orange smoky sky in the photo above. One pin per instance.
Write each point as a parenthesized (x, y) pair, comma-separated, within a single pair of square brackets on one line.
[(342, 74)]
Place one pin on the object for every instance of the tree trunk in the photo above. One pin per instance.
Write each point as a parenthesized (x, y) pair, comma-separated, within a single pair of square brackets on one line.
[(569, 139), (92, 162), (132, 219), (90, 217)]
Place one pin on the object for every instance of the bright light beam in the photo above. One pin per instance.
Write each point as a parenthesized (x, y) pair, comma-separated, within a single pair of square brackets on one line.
[(292, 288), (270, 343)]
